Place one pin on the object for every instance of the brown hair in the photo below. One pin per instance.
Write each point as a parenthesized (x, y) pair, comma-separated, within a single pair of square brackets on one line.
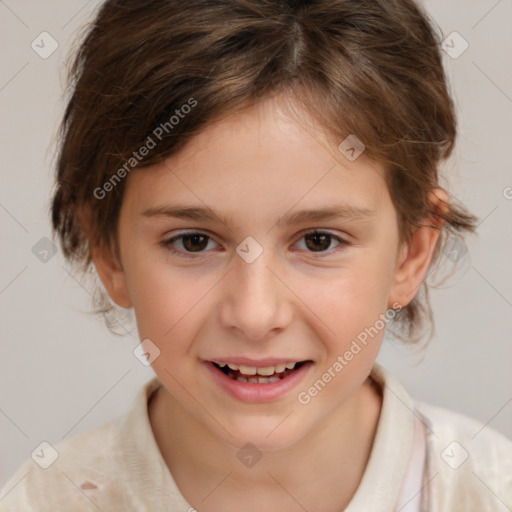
[(366, 67)]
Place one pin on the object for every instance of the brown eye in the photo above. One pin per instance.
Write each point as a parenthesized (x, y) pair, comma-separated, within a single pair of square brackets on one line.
[(190, 243), (318, 241), (195, 242)]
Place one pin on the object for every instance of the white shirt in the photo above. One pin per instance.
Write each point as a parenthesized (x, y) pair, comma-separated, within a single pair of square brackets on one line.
[(423, 458)]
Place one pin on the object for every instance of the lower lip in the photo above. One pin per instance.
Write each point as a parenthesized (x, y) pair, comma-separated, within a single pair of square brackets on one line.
[(257, 393)]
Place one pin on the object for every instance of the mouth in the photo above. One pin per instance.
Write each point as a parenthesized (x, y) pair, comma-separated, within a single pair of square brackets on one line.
[(261, 381), (259, 374)]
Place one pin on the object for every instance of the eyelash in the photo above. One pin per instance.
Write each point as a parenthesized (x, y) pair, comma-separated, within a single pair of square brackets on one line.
[(168, 244)]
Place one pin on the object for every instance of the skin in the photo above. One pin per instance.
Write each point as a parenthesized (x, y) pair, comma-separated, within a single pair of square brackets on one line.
[(255, 166)]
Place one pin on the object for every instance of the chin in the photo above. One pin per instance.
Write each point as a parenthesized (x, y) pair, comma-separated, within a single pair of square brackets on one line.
[(266, 434)]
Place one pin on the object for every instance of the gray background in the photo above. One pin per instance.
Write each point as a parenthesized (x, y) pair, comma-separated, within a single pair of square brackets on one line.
[(62, 373)]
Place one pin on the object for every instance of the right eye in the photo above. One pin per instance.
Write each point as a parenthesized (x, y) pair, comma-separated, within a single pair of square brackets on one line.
[(192, 242)]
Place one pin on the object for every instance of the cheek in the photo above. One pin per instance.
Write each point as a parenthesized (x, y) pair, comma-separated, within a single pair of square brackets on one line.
[(172, 300), (351, 299), (168, 302), (353, 312)]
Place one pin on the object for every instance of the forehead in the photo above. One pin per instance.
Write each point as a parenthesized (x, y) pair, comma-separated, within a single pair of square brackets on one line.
[(259, 159)]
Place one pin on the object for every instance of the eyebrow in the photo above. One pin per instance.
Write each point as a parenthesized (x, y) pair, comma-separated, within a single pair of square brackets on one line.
[(199, 213)]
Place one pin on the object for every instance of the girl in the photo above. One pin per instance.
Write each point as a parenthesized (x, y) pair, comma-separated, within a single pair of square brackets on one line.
[(258, 181)]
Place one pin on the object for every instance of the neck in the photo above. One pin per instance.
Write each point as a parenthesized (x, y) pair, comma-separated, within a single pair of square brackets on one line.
[(328, 463)]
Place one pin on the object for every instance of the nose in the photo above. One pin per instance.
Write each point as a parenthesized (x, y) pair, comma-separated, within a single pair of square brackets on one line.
[(256, 301)]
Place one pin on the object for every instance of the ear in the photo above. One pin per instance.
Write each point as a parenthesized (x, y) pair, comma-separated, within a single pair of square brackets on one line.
[(415, 257), (112, 275), (107, 265)]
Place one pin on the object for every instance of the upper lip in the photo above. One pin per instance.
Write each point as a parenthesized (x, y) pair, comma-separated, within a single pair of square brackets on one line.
[(258, 363)]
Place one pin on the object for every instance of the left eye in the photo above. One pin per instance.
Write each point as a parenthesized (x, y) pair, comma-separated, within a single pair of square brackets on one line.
[(318, 241), (196, 242)]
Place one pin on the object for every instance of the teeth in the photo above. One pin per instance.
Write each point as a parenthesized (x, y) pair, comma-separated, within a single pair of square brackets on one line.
[(247, 370), (280, 368), (263, 371), (266, 371), (258, 380)]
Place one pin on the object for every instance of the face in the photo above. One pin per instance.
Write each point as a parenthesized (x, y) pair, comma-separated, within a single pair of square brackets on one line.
[(229, 255)]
